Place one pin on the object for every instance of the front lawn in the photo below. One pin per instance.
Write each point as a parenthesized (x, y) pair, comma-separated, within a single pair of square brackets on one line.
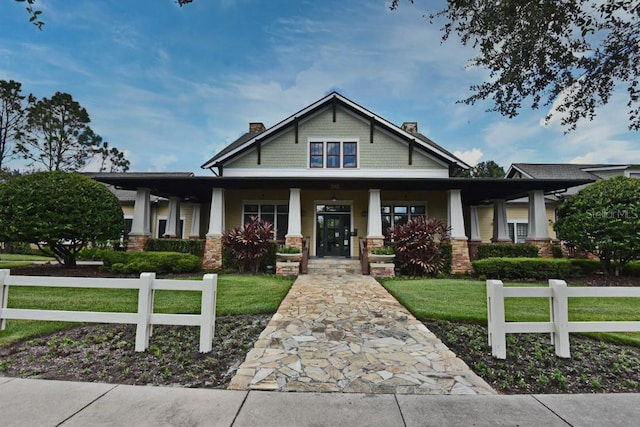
[(22, 257), (466, 301), (237, 294)]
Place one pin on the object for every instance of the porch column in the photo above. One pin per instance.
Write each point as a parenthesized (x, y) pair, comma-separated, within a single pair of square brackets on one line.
[(538, 233), (213, 244), (194, 233), (375, 238), (460, 262), (294, 230), (474, 228), (141, 225), (172, 231), (500, 226)]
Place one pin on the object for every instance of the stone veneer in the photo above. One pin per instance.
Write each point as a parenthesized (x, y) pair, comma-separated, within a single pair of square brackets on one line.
[(544, 247), (293, 241), (473, 249), (212, 258), (460, 262), (374, 242), (135, 242), (287, 268), (382, 269)]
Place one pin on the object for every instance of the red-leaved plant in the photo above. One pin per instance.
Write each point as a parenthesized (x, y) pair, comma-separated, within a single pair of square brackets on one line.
[(249, 244), (421, 246)]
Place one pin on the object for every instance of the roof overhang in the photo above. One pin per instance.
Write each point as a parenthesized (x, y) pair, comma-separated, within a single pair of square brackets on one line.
[(475, 191)]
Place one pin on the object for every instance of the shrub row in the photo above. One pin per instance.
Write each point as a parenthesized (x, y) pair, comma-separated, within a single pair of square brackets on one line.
[(193, 247), (159, 262), (527, 268), (512, 250)]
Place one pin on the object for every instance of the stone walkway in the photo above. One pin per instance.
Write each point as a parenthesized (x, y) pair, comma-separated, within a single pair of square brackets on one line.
[(346, 333)]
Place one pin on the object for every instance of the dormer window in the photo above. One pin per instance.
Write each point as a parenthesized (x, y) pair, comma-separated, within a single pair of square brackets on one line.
[(333, 154)]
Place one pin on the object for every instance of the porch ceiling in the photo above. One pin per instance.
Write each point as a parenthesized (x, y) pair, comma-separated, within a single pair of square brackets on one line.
[(474, 191)]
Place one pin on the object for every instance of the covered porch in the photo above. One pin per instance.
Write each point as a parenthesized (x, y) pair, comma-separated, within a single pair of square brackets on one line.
[(335, 213)]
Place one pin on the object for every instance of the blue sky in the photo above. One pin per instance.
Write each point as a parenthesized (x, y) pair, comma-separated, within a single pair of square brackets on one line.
[(171, 86)]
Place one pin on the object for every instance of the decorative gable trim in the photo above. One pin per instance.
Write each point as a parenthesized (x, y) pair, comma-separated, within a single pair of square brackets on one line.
[(334, 98)]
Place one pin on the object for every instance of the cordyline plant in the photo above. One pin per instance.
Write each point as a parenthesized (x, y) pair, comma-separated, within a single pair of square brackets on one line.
[(249, 244), (420, 246)]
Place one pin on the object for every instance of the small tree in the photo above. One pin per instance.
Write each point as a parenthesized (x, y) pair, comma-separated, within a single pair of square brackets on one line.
[(249, 244), (604, 219), (421, 246), (64, 211)]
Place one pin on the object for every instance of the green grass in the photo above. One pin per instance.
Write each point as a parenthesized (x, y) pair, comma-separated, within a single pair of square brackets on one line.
[(236, 295), (466, 301), (13, 264), (21, 257)]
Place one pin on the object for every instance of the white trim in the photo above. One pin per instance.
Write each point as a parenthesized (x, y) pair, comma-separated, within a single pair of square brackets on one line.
[(325, 154), (336, 173), (605, 168), (517, 169), (515, 223), (183, 221), (354, 106)]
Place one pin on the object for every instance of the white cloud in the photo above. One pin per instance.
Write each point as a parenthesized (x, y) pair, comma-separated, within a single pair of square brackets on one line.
[(471, 157)]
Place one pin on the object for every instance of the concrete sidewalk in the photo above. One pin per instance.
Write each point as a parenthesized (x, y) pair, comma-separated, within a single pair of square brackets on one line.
[(31, 402)]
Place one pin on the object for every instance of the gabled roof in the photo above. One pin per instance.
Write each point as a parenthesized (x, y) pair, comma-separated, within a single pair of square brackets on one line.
[(248, 140), (552, 170)]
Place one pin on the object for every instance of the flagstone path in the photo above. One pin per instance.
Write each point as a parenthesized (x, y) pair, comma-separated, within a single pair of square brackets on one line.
[(346, 333)]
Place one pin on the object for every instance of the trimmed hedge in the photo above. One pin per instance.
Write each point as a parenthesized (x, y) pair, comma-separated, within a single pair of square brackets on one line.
[(193, 247), (139, 262), (526, 268), (632, 269), (512, 250)]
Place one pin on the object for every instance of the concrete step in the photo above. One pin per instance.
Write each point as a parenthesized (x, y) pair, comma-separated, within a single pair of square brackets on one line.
[(333, 266)]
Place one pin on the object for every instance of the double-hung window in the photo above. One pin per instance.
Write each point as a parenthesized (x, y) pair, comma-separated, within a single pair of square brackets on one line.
[(277, 213), (518, 231), (333, 154)]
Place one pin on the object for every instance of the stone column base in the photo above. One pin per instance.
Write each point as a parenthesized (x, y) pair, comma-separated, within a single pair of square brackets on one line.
[(501, 241), (460, 262), (135, 242), (473, 249), (382, 269), (212, 258), (544, 247), (287, 268), (293, 241), (374, 242)]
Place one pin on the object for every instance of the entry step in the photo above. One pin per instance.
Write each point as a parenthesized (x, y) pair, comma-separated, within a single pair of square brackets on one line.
[(334, 266)]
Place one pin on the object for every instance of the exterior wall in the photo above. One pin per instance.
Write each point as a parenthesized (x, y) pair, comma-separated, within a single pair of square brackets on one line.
[(518, 213), (385, 153)]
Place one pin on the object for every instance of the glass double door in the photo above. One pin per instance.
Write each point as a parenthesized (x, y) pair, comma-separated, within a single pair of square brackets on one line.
[(333, 236)]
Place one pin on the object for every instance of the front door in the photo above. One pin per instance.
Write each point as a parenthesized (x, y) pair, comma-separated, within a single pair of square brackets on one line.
[(333, 230)]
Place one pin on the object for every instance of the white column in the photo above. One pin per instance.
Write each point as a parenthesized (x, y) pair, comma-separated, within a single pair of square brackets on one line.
[(455, 215), (474, 224), (216, 216), (374, 219), (141, 225), (173, 218), (295, 218), (194, 233), (538, 229), (500, 226)]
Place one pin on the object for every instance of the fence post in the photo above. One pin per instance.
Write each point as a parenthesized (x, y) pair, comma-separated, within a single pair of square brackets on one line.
[(4, 296), (495, 319), (560, 318), (208, 312), (145, 308)]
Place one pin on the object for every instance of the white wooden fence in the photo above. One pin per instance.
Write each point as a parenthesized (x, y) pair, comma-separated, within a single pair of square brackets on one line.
[(559, 326), (146, 285)]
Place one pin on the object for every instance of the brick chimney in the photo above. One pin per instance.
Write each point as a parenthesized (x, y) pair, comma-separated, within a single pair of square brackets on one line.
[(256, 127), (411, 127)]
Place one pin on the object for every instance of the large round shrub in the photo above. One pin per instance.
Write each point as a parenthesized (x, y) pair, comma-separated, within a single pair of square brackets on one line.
[(62, 210), (604, 219)]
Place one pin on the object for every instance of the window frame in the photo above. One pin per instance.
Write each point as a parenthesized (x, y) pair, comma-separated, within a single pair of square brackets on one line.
[(275, 213), (515, 224), (326, 156), (392, 205)]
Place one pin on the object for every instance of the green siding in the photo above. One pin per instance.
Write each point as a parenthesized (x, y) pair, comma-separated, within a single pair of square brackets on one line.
[(385, 153)]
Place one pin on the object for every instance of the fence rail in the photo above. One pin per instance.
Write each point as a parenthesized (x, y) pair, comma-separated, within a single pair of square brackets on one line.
[(559, 325), (144, 318)]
